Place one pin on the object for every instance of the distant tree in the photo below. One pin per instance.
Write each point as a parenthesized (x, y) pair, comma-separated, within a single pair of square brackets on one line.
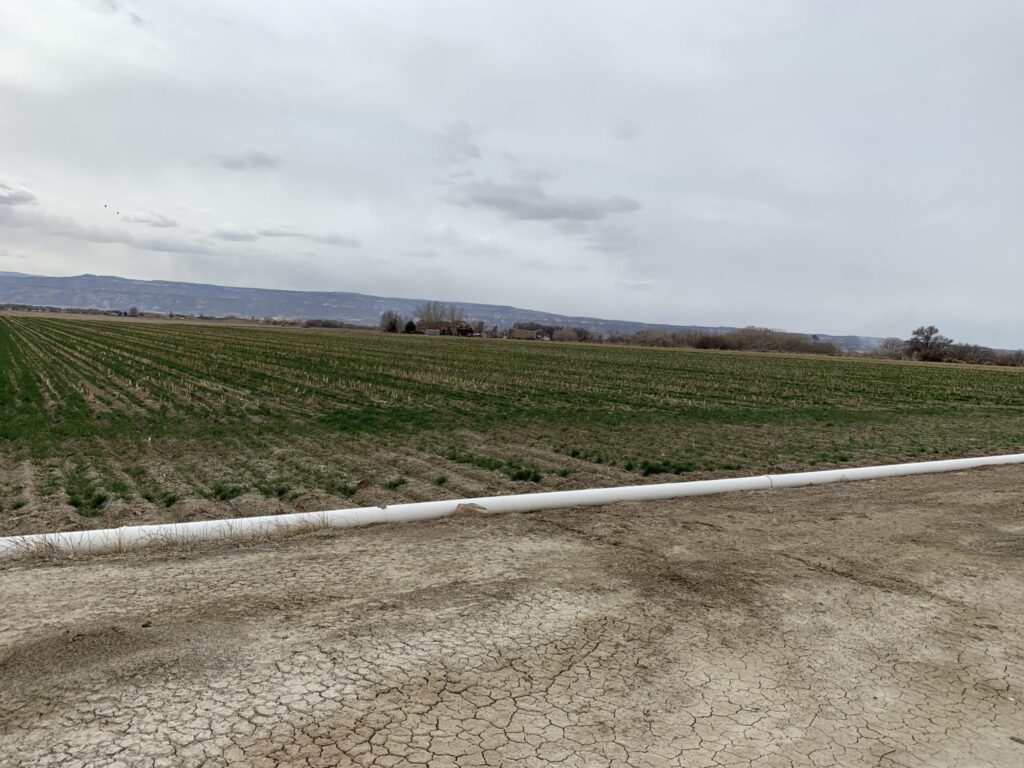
[(972, 353), (892, 347), (546, 330), (428, 314), (456, 314), (435, 314), (1011, 358), (316, 322), (390, 322), (133, 311), (928, 337), (750, 338), (926, 343), (410, 327)]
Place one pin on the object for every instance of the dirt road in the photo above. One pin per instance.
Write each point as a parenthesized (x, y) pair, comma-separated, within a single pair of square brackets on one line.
[(866, 624)]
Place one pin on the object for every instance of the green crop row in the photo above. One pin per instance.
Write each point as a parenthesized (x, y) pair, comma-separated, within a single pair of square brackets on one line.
[(284, 412)]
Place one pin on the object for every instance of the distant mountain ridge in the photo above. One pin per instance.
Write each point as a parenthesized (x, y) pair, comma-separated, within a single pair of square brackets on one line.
[(162, 296)]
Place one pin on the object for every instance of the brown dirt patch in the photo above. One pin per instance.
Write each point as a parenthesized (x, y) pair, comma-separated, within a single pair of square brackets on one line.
[(865, 624)]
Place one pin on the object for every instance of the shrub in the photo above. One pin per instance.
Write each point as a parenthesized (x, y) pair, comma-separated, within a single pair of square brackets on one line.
[(666, 467), (227, 491), (84, 496), (523, 473)]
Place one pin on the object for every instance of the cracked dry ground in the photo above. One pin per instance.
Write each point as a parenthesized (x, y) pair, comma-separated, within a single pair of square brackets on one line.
[(866, 624)]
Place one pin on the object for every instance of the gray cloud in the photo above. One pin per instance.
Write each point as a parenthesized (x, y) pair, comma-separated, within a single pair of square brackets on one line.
[(458, 142), (280, 230), (7, 255), (12, 194), (330, 238), (609, 238), (528, 201), (248, 161), (243, 234), (626, 131), (67, 227), (786, 171), (235, 234), (115, 7), (637, 285), (150, 218)]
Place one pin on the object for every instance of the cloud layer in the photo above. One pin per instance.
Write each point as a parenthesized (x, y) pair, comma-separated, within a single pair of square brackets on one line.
[(248, 161), (529, 201), (246, 235), (12, 194), (832, 167), (150, 219)]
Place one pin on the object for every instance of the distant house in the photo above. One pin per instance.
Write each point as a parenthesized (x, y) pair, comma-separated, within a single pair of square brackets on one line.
[(460, 328), (522, 334)]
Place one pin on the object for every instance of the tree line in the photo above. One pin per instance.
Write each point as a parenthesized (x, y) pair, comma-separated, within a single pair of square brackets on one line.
[(431, 315), (437, 315), (927, 344), (750, 339)]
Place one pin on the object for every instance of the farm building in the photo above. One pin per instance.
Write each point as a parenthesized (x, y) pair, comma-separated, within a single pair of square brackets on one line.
[(458, 329), (523, 334)]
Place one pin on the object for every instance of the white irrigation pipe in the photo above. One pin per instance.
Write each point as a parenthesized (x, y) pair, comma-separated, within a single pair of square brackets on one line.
[(136, 536)]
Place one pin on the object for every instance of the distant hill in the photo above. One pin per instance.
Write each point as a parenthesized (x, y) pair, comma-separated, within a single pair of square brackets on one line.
[(162, 296)]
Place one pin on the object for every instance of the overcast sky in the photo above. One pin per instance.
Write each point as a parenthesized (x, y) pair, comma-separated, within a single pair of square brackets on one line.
[(841, 167)]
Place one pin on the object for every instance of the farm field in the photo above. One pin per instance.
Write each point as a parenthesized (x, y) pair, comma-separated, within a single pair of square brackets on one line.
[(106, 422)]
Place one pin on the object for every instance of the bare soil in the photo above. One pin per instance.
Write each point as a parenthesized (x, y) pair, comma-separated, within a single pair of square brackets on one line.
[(864, 624)]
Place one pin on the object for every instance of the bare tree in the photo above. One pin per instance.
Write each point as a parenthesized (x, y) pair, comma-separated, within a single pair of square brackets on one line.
[(391, 322), (436, 314), (972, 353), (892, 347), (430, 314), (455, 314), (926, 343)]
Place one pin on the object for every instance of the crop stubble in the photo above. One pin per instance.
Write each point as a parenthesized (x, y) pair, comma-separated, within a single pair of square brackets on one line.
[(108, 423)]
